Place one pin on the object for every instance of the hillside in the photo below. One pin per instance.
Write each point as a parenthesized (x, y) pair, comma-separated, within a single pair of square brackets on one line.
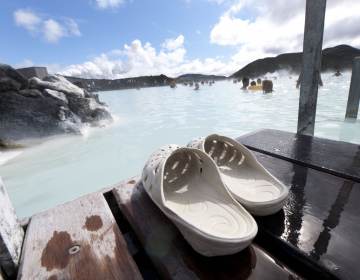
[(339, 57), (198, 77), (107, 84), (137, 82)]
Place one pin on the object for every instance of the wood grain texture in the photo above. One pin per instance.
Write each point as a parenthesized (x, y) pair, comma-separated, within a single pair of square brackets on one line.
[(174, 258), (76, 240), (11, 235)]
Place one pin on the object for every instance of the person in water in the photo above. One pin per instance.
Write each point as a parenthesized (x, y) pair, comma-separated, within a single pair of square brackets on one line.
[(267, 86), (245, 82), (258, 81), (337, 73), (254, 86)]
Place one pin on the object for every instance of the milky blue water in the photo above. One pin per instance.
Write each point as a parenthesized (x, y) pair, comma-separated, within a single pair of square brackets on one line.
[(64, 168)]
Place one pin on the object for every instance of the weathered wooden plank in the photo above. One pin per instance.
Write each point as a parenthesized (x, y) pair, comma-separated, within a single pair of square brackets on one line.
[(25, 221), (311, 66), (352, 107), (334, 157), (76, 240), (11, 235), (174, 258), (319, 227)]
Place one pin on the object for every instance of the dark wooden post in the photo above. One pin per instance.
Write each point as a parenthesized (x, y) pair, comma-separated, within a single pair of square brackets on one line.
[(11, 235), (352, 107), (311, 68)]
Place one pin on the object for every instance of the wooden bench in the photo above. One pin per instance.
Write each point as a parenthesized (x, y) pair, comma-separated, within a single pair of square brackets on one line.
[(77, 240)]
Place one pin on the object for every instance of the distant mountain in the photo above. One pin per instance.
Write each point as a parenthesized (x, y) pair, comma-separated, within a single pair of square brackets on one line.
[(137, 82), (339, 57), (107, 84), (198, 77)]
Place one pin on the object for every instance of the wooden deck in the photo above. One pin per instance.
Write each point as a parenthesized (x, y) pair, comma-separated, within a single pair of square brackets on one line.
[(335, 157), (77, 240), (121, 234)]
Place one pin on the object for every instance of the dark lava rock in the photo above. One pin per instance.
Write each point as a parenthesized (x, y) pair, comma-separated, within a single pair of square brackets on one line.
[(34, 93), (7, 84), (44, 108), (9, 72), (87, 109), (22, 117), (58, 83)]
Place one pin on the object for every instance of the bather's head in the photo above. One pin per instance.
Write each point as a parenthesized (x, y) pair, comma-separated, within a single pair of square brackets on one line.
[(267, 86), (253, 83), (245, 82)]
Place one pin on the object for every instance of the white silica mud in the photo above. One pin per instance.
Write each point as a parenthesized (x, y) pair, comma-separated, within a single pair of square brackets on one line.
[(63, 168)]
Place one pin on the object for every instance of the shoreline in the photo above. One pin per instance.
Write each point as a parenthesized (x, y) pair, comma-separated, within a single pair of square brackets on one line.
[(8, 155)]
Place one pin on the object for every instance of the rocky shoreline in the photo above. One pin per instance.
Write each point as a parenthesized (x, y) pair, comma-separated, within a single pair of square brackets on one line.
[(35, 108)]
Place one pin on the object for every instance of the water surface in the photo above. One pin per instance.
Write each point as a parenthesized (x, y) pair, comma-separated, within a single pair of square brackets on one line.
[(64, 168)]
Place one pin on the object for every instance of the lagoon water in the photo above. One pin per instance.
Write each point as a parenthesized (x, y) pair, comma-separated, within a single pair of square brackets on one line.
[(65, 168)]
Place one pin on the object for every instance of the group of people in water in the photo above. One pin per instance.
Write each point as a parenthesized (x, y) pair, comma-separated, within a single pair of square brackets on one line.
[(197, 83), (266, 86)]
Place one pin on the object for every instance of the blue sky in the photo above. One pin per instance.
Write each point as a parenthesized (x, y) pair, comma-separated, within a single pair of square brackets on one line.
[(104, 29), (120, 38)]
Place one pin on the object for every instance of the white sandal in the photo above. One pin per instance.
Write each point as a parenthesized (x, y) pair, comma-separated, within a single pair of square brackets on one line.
[(186, 185), (246, 178)]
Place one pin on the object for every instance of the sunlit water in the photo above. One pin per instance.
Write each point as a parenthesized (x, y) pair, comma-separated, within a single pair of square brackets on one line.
[(62, 169)]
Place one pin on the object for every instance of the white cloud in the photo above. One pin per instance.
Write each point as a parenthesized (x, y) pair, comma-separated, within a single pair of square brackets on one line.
[(50, 29), (106, 4), (72, 27), (173, 43), (27, 19), (53, 31), (137, 59), (260, 28), (251, 29)]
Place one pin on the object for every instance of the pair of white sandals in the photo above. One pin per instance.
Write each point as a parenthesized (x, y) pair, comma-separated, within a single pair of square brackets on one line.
[(207, 188)]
